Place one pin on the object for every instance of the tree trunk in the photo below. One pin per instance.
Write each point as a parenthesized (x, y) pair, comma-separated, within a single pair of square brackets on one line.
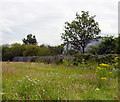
[(83, 49)]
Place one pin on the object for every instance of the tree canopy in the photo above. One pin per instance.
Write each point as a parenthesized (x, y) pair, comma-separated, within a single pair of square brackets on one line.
[(80, 31), (30, 40)]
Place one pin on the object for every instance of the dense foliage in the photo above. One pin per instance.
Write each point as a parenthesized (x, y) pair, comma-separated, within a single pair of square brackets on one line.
[(13, 50), (30, 40), (109, 45), (80, 31)]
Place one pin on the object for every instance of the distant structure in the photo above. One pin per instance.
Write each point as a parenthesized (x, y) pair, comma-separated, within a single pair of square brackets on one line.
[(93, 42)]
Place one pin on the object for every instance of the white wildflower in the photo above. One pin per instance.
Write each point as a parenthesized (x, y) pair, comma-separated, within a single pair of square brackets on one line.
[(2, 93)]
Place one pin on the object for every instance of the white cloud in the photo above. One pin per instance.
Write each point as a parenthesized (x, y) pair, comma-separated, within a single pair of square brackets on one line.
[(45, 18)]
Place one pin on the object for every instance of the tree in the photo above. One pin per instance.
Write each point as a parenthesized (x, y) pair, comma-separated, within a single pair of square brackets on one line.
[(31, 50), (107, 46), (10, 51), (56, 50), (30, 40), (44, 51), (17, 49), (80, 31), (117, 47)]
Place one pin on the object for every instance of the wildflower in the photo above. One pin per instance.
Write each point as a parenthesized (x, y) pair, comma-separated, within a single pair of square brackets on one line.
[(20, 80), (116, 64), (97, 89), (2, 93), (27, 76), (35, 82), (106, 65), (110, 72), (29, 79), (99, 68), (43, 90), (116, 58), (103, 78), (83, 60)]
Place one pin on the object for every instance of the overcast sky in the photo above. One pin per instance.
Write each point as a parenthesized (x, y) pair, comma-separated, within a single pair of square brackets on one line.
[(46, 18)]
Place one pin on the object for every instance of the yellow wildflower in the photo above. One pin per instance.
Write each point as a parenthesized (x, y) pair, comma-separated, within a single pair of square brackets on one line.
[(116, 58), (97, 89), (83, 60), (103, 78), (106, 65), (99, 68), (116, 64), (110, 72)]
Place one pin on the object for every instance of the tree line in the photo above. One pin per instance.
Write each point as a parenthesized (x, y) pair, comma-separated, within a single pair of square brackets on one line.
[(77, 33), (13, 50)]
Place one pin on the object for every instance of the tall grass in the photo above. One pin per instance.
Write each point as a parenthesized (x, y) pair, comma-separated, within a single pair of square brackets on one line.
[(38, 81), (0, 80)]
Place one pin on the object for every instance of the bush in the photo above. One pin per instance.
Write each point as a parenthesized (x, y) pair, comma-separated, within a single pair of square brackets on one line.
[(33, 59), (44, 60), (59, 61), (78, 58)]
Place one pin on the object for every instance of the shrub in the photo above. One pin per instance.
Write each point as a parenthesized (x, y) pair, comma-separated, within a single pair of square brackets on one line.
[(117, 62), (59, 61), (103, 73), (44, 60), (78, 58), (33, 59)]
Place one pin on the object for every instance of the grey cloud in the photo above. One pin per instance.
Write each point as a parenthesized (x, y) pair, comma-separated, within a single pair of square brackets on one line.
[(45, 18)]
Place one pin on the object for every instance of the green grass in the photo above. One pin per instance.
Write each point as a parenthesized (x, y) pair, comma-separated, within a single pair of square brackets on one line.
[(37, 81)]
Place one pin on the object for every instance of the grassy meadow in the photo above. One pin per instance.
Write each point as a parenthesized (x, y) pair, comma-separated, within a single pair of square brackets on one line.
[(38, 81)]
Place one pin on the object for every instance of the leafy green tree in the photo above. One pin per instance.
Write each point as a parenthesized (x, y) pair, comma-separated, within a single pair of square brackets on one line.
[(56, 50), (10, 51), (117, 47), (30, 40), (7, 53), (107, 46), (17, 49), (31, 50), (93, 50), (44, 51), (80, 31)]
